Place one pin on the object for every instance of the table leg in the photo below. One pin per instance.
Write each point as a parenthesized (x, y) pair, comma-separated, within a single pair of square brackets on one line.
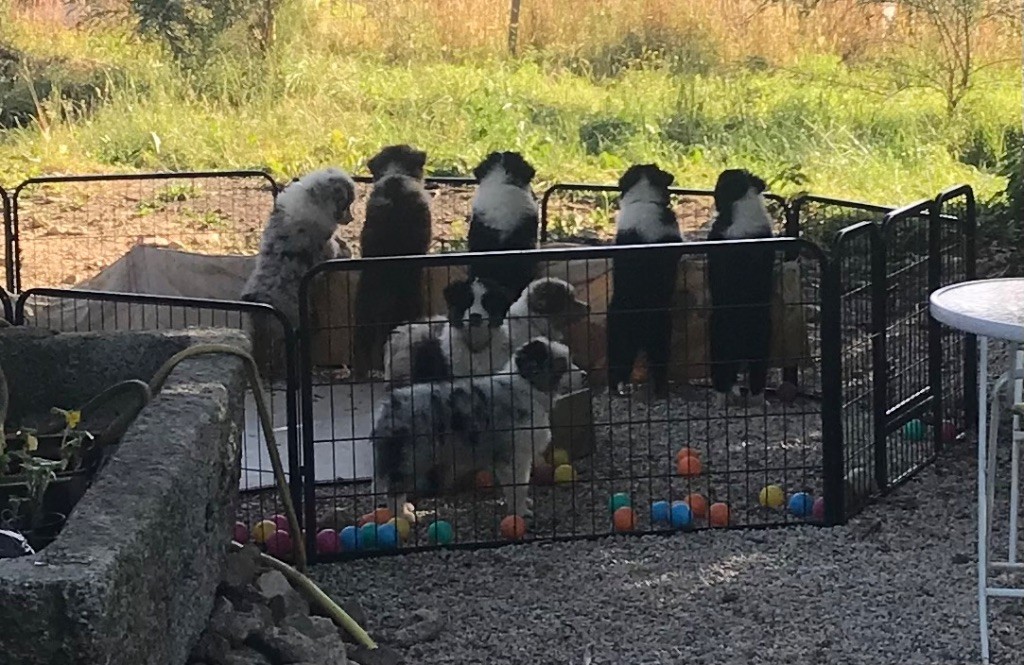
[(983, 496), (1017, 364)]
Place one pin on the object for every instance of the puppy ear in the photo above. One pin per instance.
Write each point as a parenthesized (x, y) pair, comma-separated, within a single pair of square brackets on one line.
[(544, 298), (484, 167), (419, 158), (455, 293), (630, 178), (533, 360), (521, 168), (375, 164), (758, 183), (663, 178), (578, 310)]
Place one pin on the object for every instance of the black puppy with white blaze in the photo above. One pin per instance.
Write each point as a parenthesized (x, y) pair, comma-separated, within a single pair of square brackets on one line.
[(504, 217), (740, 281), (639, 314)]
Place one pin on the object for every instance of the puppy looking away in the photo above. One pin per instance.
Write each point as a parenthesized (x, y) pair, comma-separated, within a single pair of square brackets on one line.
[(398, 223), (504, 217), (639, 314), (299, 234), (740, 284), (426, 433)]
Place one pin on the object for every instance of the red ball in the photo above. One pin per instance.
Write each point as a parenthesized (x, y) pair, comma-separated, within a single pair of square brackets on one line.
[(818, 509), (279, 545), (948, 431), (327, 542), (240, 533), (280, 521)]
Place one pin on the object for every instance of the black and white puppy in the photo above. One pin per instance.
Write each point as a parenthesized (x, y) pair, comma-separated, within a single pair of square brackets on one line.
[(398, 223), (469, 341), (425, 433), (639, 314), (740, 285), (504, 217)]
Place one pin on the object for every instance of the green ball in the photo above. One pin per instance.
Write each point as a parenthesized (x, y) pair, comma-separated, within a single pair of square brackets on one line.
[(439, 532), (914, 430), (618, 500), (368, 536)]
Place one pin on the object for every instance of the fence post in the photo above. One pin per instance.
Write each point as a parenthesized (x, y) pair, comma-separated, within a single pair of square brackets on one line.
[(513, 27), (832, 401)]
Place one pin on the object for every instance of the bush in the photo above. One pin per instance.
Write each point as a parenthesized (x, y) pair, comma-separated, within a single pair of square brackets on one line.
[(191, 28)]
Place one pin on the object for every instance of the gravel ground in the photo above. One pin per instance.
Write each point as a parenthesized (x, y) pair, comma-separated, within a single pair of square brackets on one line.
[(897, 584)]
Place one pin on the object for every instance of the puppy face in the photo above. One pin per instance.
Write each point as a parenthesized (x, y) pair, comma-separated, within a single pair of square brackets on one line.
[(548, 367), (517, 170), (332, 189), (555, 299), (735, 184), (476, 308), (398, 160), (639, 173)]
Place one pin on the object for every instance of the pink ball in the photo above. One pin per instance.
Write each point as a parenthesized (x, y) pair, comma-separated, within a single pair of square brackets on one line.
[(279, 545), (948, 432), (327, 542), (818, 509), (281, 522), (240, 533)]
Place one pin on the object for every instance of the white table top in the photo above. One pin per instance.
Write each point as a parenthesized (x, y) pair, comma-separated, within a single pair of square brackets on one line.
[(988, 307)]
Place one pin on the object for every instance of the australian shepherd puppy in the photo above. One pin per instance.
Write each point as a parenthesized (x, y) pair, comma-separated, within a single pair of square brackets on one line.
[(398, 223), (424, 432), (481, 330), (504, 217), (639, 314), (740, 281), (469, 341)]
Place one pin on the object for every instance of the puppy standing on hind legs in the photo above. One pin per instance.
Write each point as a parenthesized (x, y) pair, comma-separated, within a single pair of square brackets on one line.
[(422, 432), (398, 223), (639, 314), (740, 283)]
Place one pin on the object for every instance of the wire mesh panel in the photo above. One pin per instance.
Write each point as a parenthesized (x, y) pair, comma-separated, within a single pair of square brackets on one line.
[(450, 206), (577, 212), (821, 218), (66, 310), (66, 229), (858, 260), (674, 459), (954, 357)]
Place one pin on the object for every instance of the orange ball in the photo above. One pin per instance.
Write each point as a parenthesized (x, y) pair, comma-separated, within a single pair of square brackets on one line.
[(687, 452), (688, 465), (484, 480), (513, 527), (698, 505), (719, 514), (624, 519), (378, 516)]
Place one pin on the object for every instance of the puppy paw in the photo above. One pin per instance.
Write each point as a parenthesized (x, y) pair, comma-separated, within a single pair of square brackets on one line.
[(408, 513)]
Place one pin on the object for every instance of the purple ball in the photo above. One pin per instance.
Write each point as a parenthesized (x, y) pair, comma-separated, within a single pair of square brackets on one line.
[(818, 510), (327, 542)]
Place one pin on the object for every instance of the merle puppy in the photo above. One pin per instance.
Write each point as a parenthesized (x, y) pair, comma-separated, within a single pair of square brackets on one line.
[(398, 223), (504, 217), (639, 314), (740, 284)]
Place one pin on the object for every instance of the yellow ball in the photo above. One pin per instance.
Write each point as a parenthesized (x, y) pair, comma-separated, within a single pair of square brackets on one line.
[(402, 526), (263, 531), (564, 473), (772, 496), (559, 456)]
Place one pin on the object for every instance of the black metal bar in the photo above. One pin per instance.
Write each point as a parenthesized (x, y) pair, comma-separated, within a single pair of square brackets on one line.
[(8, 213), (879, 359), (306, 403), (242, 307), (934, 328), (832, 395), (430, 181), (800, 201), (5, 298)]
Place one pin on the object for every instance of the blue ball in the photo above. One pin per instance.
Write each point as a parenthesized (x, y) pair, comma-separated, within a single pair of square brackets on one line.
[(349, 538), (387, 536), (659, 512), (682, 516), (801, 504), (368, 536)]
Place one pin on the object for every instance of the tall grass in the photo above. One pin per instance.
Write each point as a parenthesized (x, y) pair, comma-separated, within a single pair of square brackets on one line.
[(804, 98)]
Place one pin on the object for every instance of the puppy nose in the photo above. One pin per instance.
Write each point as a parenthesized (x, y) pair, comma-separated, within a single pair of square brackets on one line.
[(475, 319)]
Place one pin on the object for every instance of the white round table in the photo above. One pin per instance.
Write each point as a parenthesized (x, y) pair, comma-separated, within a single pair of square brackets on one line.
[(990, 308)]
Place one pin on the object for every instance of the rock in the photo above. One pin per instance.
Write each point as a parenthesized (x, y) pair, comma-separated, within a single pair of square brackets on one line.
[(282, 599), (425, 626), (241, 568), (354, 610), (237, 626), (246, 656), (315, 627), (382, 655), (335, 652), (211, 647), (286, 646)]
